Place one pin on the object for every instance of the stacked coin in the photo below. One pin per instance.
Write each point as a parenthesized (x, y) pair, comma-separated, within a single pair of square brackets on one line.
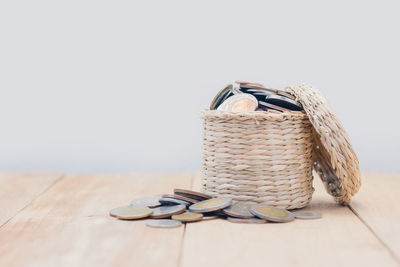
[(243, 96), (185, 206)]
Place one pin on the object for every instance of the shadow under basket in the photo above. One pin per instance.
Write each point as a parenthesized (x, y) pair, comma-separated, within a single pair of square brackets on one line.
[(258, 157)]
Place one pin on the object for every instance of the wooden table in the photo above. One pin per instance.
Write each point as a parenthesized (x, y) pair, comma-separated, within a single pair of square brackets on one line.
[(58, 220)]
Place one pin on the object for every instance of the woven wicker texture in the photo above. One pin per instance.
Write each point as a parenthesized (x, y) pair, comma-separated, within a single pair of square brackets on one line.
[(258, 157), (336, 161)]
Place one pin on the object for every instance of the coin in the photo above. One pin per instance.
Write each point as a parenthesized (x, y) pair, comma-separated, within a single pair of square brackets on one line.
[(283, 93), (188, 217), (307, 215), (131, 212), (266, 91), (218, 97), (191, 194), (246, 220), (167, 211), (239, 103), (173, 201), (188, 199), (271, 213), (180, 197), (258, 90), (164, 223), (283, 101), (239, 209), (113, 212), (244, 83), (212, 204), (150, 201), (270, 106)]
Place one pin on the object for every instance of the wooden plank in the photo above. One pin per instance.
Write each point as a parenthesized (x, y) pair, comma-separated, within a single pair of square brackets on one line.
[(17, 190), (378, 205), (338, 239), (69, 225)]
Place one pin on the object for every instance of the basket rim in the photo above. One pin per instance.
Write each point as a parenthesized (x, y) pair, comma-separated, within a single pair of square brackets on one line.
[(258, 115)]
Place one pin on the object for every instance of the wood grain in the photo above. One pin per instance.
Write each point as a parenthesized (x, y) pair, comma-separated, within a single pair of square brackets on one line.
[(338, 239), (17, 190), (70, 225), (378, 205)]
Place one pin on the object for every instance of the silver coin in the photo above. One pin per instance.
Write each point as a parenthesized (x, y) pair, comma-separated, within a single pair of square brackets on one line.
[(150, 201), (167, 211), (246, 220), (268, 106), (173, 201), (307, 215), (212, 204), (180, 197), (271, 213), (259, 92), (283, 101), (239, 210), (220, 96), (113, 212), (165, 223), (191, 194)]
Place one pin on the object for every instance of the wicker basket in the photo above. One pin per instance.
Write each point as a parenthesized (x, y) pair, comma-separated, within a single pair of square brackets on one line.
[(258, 157)]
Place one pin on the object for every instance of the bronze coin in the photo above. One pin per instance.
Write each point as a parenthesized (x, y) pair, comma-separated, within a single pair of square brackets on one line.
[(191, 194), (167, 211)]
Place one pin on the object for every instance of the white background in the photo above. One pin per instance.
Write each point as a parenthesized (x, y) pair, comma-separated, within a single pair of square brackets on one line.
[(117, 86)]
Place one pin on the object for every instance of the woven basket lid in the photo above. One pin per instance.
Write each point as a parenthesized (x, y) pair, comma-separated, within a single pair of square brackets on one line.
[(335, 160)]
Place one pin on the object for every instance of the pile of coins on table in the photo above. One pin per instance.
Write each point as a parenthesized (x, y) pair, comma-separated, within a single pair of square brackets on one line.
[(184, 206), (243, 96)]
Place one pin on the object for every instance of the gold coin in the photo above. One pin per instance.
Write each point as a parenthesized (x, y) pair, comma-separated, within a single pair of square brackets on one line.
[(271, 213), (131, 212), (167, 211), (188, 217), (212, 204)]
